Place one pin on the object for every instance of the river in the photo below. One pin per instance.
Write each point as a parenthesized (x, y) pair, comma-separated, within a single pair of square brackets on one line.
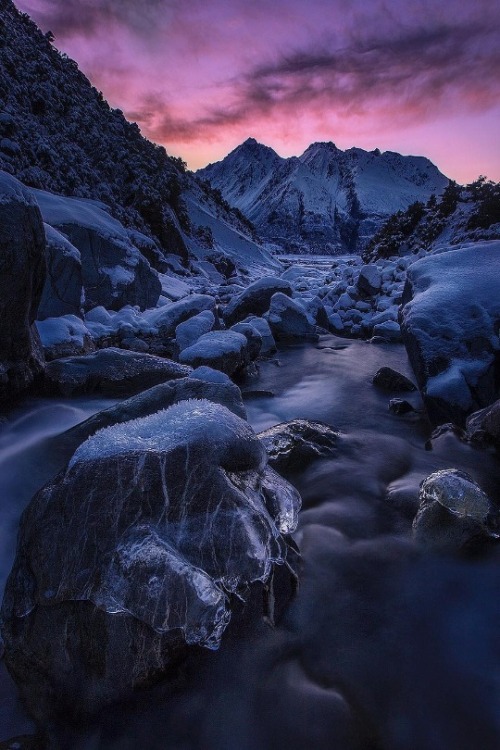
[(383, 647)]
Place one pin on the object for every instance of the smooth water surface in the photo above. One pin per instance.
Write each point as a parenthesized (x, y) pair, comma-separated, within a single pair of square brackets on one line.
[(383, 647)]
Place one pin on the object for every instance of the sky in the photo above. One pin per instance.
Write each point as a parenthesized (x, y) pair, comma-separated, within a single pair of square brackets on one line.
[(200, 76)]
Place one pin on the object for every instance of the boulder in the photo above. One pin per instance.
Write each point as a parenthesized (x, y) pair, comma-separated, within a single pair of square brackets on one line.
[(455, 515), (262, 326), (166, 319), (388, 379), (252, 336), (483, 427), (66, 336), (112, 372), (22, 276), (369, 280), (63, 289), (449, 322), (221, 350), (114, 272), (131, 555), (288, 320), (388, 331), (292, 445), (400, 407), (190, 330), (256, 298)]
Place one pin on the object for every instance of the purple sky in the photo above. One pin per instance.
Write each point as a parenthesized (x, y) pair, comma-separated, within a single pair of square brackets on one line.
[(200, 76)]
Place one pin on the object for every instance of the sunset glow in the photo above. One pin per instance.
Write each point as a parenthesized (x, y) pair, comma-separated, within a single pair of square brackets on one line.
[(200, 77)]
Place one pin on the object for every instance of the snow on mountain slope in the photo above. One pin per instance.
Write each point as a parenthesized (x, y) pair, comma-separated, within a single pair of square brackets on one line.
[(326, 200)]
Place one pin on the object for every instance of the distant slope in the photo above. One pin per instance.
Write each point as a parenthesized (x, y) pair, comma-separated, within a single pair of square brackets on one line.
[(462, 214), (326, 200), (57, 133)]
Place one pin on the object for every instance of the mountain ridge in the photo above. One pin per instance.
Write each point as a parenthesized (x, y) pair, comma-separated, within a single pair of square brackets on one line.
[(326, 199)]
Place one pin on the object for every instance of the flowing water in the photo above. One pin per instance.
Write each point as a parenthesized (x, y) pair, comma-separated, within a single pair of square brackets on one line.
[(382, 648)]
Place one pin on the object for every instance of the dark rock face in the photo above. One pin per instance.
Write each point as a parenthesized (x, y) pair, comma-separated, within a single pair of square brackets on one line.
[(454, 515), (227, 351), (449, 323), (369, 280), (63, 289), (138, 285), (391, 380), (483, 426), (256, 298), (400, 407), (292, 445), (110, 372), (288, 320), (22, 275), (133, 552)]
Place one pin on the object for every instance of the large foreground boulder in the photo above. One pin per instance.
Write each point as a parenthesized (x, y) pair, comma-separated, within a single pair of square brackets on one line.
[(449, 322), (112, 372), (134, 552), (22, 276), (256, 298)]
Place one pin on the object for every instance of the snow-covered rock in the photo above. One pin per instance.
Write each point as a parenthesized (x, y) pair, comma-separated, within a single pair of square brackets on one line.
[(22, 276), (133, 550), (449, 322), (222, 350), (288, 319), (65, 336), (190, 330), (255, 299), (262, 326), (369, 280), (114, 272)]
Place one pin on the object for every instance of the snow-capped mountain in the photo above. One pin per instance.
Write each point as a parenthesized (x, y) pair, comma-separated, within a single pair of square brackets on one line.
[(326, 200)]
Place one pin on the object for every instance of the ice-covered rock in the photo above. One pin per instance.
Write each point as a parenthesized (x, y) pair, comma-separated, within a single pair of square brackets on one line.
[(391, 380), (129, 555), (288, 320), (22, 276), (190, 330), (400, 407), (111, 372), (454, 513), (256, 298), (63, 289), (222, 350), (292, 445), (449, 323), (483, 426), (160, 397)]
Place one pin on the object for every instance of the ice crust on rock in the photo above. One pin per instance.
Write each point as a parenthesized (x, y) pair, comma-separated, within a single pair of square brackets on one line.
[(135, 546)]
